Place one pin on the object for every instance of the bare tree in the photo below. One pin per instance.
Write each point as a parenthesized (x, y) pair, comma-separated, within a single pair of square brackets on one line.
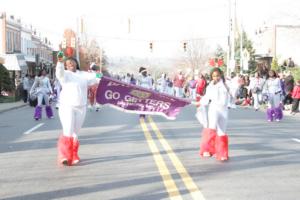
[(197, 54), (90, 51)]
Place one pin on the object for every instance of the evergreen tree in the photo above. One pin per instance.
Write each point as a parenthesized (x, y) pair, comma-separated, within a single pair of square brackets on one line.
[(5, 81), (274, 65), (247, 44)]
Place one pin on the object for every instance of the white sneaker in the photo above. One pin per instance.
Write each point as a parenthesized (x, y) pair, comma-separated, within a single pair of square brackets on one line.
[(223, 159), (90, 108), (206, 154)]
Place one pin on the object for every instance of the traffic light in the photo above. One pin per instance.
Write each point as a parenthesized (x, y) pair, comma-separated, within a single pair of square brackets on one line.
[(184, 46), (151, 46)]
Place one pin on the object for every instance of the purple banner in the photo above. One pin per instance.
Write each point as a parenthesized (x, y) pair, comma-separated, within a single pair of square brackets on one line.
[(135, 99)]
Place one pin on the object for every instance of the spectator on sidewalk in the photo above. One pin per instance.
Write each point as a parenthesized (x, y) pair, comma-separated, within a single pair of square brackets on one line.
[(296, 98), (26, 88), (57, 90), (192, 87), (200, 87), (162, 83), (288, 87), (256, 86), (178, 84)]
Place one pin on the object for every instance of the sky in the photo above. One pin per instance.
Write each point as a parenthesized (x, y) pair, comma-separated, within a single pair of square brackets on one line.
[(166, 23)]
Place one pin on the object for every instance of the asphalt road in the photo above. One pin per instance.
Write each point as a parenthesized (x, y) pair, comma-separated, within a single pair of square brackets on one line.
[(124, 157)]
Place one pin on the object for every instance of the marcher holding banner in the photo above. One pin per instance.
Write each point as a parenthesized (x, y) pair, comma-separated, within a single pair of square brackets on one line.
[(138, 100), (144, 81), (72, 110), (214, 138)]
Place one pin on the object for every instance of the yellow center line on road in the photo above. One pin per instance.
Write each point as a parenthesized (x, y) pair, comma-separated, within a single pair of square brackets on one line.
[(186, 178), (161, 165)]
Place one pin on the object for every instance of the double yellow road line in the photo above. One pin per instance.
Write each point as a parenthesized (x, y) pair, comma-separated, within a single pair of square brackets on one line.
[(169, 183)]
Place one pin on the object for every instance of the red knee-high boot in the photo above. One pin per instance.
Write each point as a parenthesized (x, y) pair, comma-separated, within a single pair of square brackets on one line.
[(222, 147), (75, 158), (207, 145), (65, 150)]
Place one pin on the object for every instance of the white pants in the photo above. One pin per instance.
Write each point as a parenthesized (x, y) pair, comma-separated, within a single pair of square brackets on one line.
[(71, 118), (41, 96), (274, 100), (257, 98), (201, 115), (192, 93), (178, 92), (217, 119), (57, 96), (170, 91)]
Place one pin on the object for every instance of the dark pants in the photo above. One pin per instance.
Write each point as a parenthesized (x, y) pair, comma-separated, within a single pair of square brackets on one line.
[(287, 99), (25, 96), (295, 106)]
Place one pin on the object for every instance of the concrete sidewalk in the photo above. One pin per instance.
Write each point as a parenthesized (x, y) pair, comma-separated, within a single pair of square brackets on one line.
[(9, 106)]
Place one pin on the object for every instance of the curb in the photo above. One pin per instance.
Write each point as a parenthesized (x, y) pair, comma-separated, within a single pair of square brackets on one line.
[(12, 108)]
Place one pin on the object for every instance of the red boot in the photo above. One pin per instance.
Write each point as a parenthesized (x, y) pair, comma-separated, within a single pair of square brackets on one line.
[(75, 158), (222, 147), (65, 150), (207, 145)]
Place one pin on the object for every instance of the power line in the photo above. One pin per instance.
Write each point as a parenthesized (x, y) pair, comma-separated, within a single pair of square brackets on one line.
[(157, 40)]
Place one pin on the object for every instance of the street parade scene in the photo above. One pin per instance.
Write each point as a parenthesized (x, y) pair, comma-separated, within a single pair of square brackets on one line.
[(150, 100)]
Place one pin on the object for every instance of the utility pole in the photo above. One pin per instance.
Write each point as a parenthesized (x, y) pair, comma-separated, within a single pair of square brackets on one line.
[(77, 40), (274, 41), (241, 50), (232, 24), (228, 71)]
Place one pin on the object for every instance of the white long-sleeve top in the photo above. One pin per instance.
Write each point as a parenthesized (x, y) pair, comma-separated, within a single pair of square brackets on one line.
[(26, 84), (272, 86), (216, 96), (74, 85), (162, 84), (257, 82), (144, 81), (42, 85)]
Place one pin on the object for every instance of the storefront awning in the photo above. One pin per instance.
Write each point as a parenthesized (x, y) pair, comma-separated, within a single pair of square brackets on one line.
[(30, 59), (1, 59), (15, 62)]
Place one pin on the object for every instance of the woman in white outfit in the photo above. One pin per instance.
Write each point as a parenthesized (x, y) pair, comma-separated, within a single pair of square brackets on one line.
[(162, 83), (272, 89), (256, 87), (42, 88), (72, 109), (143, 79), (214, 138)]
